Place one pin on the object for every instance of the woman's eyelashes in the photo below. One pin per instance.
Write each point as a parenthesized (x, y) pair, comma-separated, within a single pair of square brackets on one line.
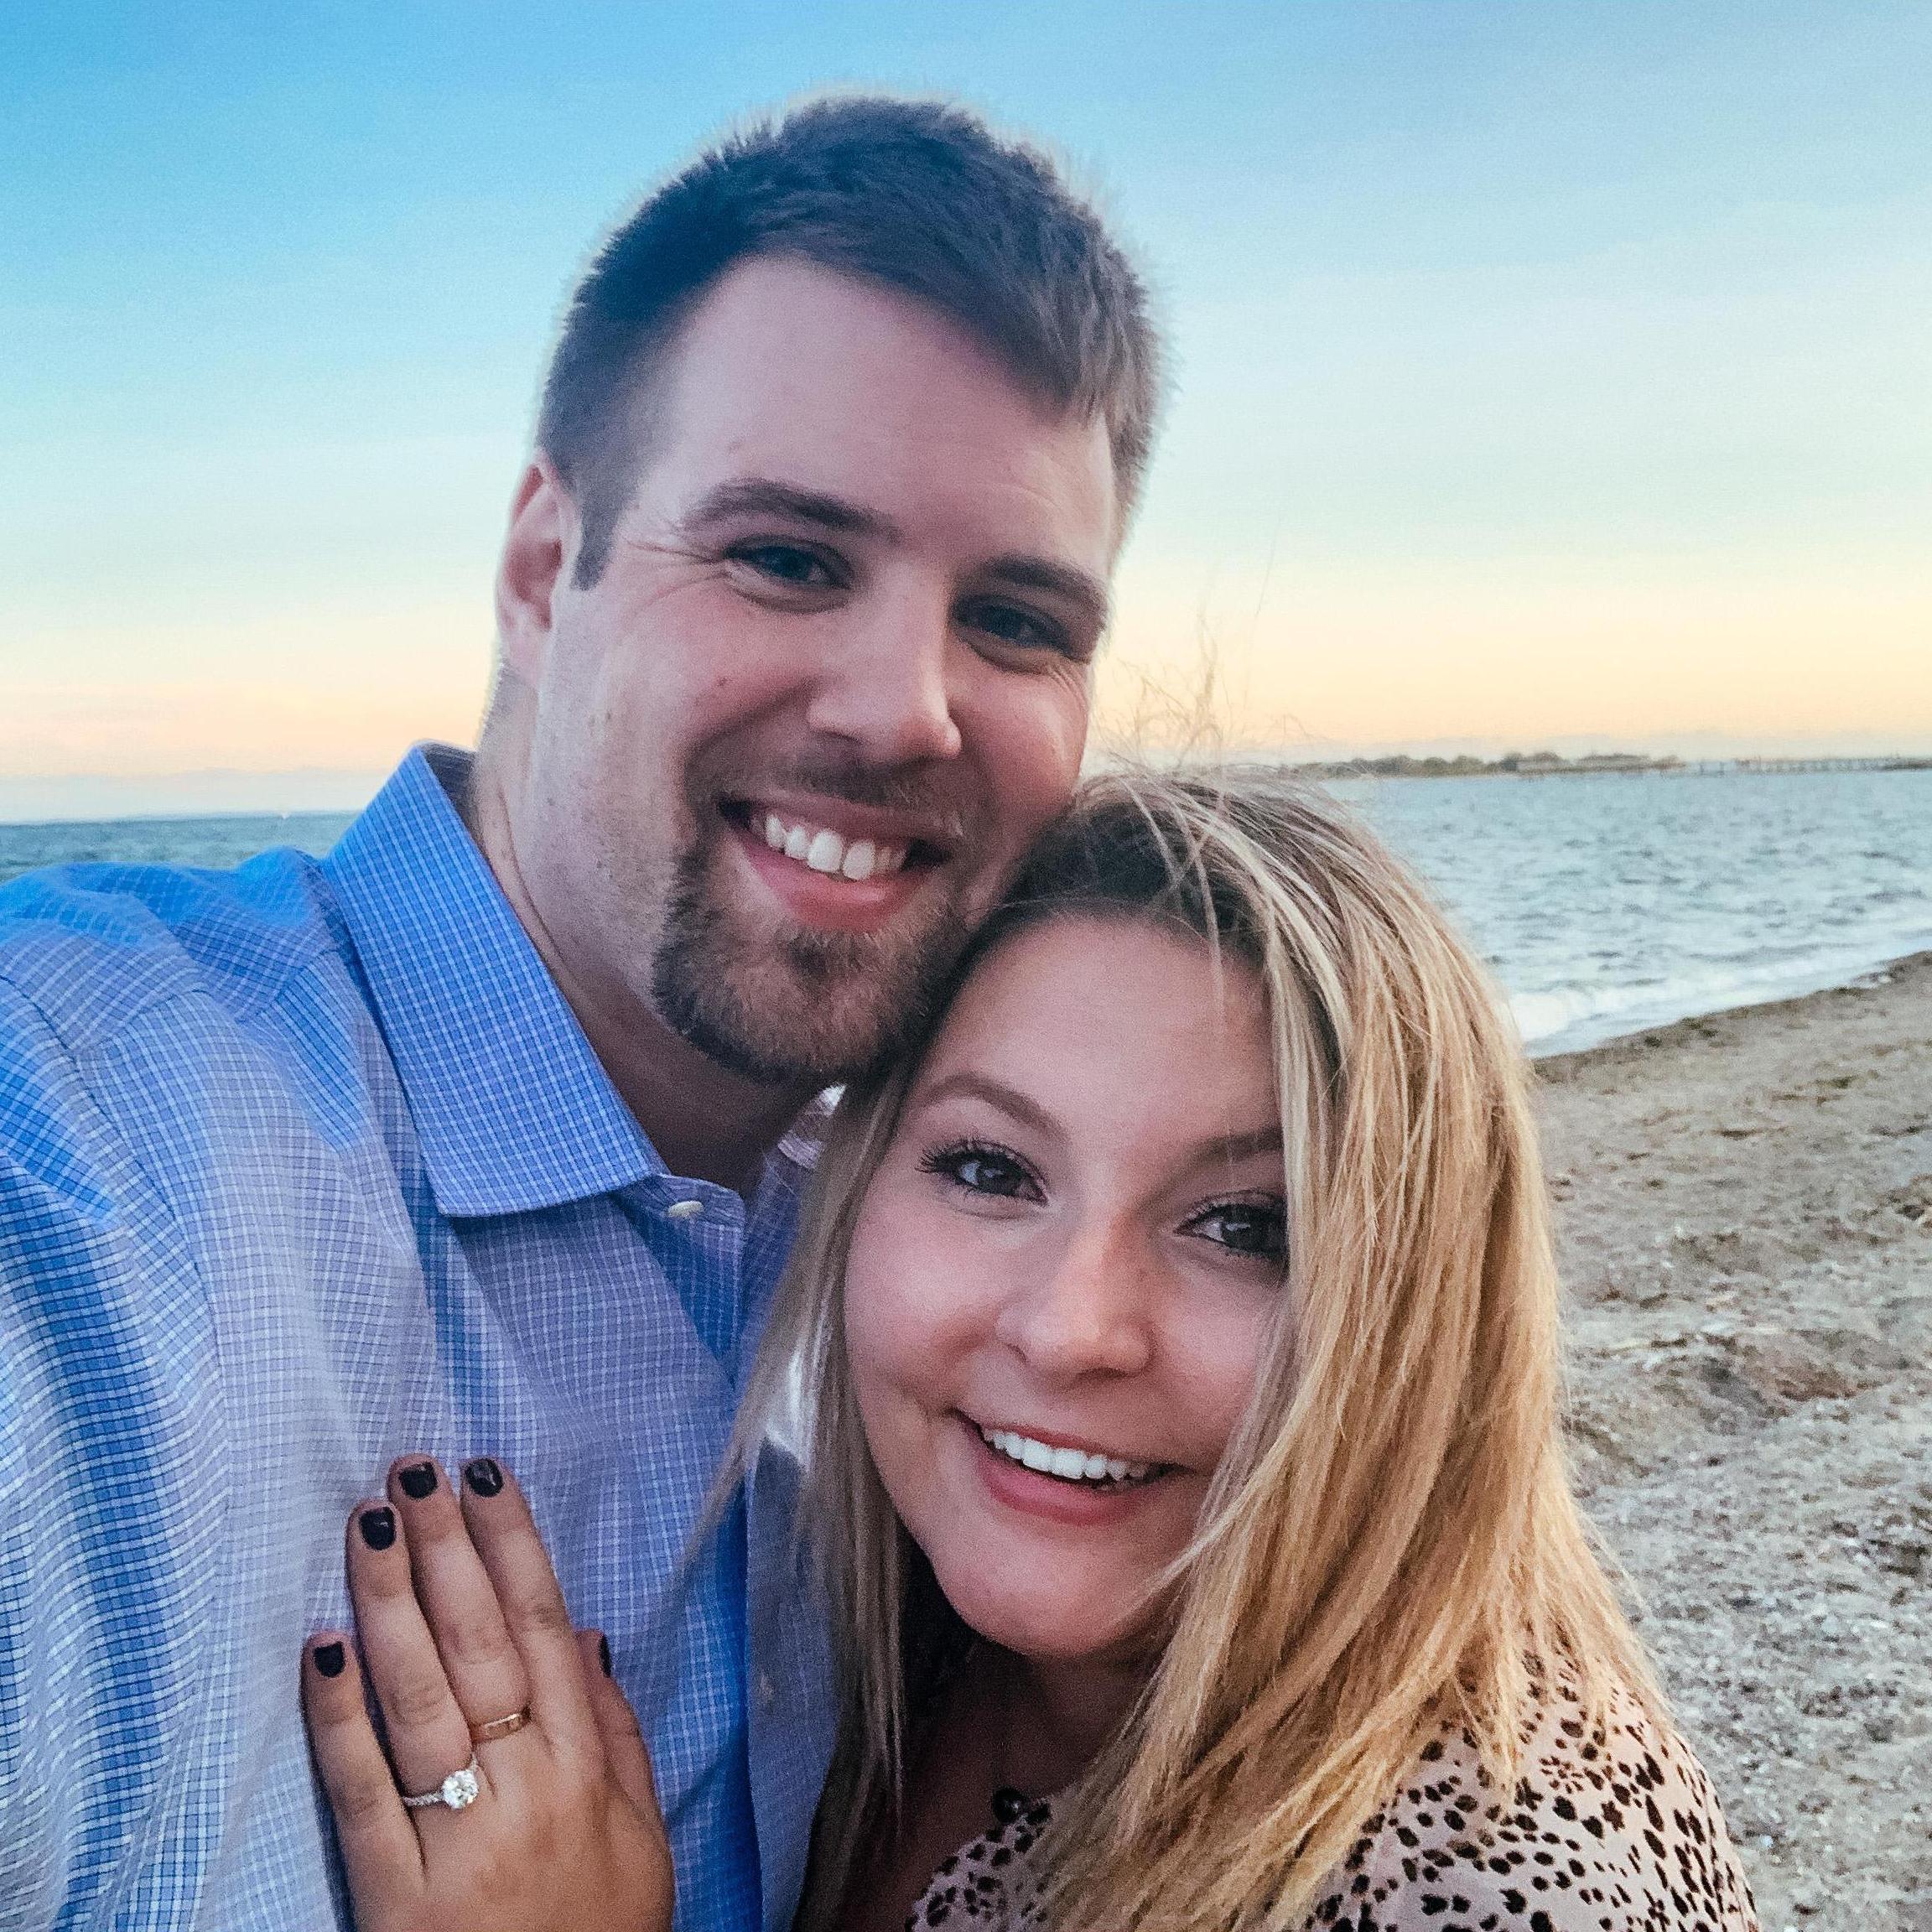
[(1249, 1227), (985, 1169), (1254, 1229)]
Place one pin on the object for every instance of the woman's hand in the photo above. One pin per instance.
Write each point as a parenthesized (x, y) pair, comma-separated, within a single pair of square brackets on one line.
[(462, 1625)]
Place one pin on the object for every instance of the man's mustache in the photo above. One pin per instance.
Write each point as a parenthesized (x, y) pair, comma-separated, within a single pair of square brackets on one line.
[(908, 789)]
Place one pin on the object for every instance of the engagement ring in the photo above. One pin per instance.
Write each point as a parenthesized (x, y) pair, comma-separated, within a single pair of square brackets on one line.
[(456, 1793)]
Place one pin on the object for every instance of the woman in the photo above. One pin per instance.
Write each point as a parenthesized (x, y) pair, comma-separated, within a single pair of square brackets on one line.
[(1178, 1330)]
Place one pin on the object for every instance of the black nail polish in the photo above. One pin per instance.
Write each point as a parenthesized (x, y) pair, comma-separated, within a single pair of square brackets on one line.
[(331, 1659), (378, 1527), (484, 1476), (604, 1652), (419, 1480)]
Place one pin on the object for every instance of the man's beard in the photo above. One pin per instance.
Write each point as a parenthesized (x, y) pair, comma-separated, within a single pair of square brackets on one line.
[(803, 1008)]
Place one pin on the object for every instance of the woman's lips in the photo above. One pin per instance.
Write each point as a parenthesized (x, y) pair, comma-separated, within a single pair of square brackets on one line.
[(1055, 1498)]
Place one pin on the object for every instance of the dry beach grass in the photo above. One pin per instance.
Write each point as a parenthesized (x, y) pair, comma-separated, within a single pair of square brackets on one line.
[(1745, 1210)]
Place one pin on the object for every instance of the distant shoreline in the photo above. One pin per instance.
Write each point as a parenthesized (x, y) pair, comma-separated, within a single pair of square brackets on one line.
[(1595, 764), (1509, 765)]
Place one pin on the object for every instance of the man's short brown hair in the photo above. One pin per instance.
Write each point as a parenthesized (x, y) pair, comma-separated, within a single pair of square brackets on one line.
[(921, 197)]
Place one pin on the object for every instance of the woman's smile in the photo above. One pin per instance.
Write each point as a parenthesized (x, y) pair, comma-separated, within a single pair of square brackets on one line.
[(1077, 1500), (1068, 1462)]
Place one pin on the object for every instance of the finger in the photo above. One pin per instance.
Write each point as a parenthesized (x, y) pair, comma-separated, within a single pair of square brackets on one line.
[(512, 1552), (380, 1847), (624, 1749), (428, 1738), (457, 1599)]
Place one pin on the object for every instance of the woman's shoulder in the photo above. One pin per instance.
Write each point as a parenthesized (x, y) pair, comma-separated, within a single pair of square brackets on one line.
[(1612, 1823)]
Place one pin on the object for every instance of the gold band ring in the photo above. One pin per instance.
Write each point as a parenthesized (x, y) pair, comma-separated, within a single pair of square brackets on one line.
[(500, 1726)]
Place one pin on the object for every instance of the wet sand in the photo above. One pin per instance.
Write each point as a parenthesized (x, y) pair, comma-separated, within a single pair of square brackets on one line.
[(1745, 1211)]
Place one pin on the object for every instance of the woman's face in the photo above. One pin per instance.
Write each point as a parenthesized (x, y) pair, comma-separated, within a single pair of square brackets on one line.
[(1064, 1271)]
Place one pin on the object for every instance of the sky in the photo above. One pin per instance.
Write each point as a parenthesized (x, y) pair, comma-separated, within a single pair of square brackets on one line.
[(1545, 374)]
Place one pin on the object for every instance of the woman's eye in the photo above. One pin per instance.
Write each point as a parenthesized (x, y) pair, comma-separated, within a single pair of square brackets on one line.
[(1022, 629), (988, 1171), (787, 564), (1255, 1229)]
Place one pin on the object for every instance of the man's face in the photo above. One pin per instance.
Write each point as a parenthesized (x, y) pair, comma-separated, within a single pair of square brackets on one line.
[(831, 680)]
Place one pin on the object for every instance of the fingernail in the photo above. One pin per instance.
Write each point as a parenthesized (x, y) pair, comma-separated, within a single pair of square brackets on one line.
[(419, 1480), (331, 1659), (484, 1476), (604, 1652), (378, 1527)]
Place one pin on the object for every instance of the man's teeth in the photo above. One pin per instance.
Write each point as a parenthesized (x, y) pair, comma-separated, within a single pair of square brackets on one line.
[(824, 851), (1071, 1465)]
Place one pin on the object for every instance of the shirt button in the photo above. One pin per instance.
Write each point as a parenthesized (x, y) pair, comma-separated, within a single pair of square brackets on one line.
[(685, 1210)]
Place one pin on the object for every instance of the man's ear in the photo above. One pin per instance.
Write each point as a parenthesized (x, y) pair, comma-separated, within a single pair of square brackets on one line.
[(536, 547)]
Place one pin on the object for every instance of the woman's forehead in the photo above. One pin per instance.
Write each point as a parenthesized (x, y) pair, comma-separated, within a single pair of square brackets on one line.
[(1077, 1009)]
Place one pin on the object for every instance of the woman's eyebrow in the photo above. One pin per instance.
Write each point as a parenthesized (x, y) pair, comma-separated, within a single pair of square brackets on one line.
[(996, 1093), (1240, 1146)]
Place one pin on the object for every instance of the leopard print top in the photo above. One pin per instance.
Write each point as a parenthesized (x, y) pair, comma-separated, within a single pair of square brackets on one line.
[(1612, 1829)]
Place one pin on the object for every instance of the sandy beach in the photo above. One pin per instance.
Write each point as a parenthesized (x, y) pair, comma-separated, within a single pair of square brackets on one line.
[(1745, 1209)]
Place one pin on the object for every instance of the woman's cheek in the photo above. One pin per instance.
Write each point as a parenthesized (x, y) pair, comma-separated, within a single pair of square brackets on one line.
[(1216, 1355)]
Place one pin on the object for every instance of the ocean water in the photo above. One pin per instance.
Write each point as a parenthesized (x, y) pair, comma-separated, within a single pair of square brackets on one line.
[(1608, 905), (216, 842), (1604, 905)]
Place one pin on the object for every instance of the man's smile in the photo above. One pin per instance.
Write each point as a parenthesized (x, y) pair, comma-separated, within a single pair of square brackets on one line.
[(834, 864)]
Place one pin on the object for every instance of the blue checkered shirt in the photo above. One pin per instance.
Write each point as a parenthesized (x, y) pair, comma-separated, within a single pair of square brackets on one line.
[(303, 1166)]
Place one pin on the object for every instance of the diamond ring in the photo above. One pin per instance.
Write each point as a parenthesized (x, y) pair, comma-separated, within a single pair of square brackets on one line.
[(456, 1793)]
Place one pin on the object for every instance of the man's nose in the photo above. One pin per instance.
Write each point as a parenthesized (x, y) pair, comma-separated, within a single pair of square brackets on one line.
[(883, 686), (1088, 1313)]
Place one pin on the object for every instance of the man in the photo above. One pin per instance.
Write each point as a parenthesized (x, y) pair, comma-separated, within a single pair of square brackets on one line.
[(471, 1137)]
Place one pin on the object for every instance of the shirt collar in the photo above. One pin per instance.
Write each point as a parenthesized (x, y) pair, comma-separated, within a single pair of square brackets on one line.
[(513, 1110)]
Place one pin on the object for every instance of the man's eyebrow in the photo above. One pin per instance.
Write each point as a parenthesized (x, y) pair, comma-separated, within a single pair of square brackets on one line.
[(766, 496), (1060, 581), (996, 1093)]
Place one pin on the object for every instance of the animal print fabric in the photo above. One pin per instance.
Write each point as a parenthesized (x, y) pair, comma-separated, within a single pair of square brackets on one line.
[(1614, 1829)]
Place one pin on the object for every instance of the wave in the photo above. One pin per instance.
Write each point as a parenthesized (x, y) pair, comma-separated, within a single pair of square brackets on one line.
[(1571, 1020)]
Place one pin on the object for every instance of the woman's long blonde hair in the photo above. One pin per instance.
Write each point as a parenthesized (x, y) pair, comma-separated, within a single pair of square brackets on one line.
[(1389, 1545)]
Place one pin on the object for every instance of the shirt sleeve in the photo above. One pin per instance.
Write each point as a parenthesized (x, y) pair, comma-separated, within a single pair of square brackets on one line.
[(111, 1500)]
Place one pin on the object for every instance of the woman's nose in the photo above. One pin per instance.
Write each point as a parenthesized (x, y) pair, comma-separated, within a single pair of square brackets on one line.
[(1088, 1314)]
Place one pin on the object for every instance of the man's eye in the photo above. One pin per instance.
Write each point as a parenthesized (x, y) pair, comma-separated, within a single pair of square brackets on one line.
[(1255, 1229), (1023, 630), (788, 563), (992, 1172)]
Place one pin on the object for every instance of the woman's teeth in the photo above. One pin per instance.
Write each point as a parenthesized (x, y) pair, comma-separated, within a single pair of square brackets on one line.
[(1070, 1464), (824, 851)]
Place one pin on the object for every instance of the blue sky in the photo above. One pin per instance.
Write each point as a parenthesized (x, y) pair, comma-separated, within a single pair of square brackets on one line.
[(1550, 370)]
